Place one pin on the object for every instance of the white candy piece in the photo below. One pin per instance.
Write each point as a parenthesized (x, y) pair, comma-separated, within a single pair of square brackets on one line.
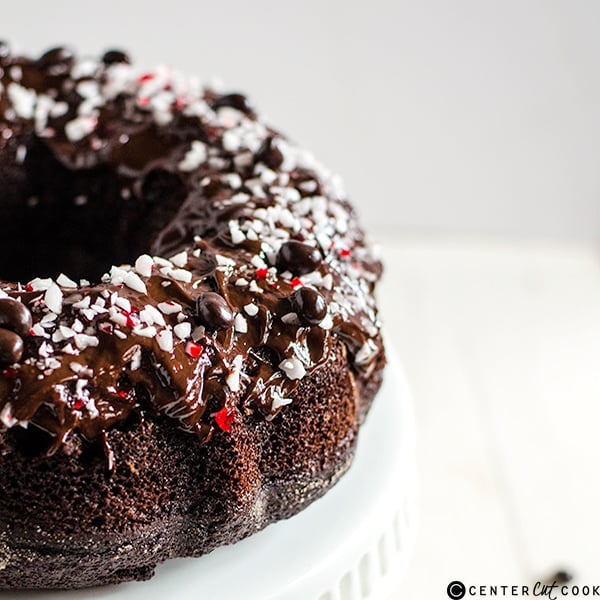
[(170, 308), (293, 368), (83, 341), (148, 332), (240, 323), (181, 275), (79, 127), (39, 285), (233, 379), (183, 330), (6, 417), (123, 303), (22, 99), (179, 260), (144, 265), (165, 340), (194, 157), (65, 282), (83, 303), (251, 310), (132, 280), (53, 298)]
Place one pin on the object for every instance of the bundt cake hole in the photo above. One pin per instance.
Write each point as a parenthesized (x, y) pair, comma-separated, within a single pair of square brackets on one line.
[(79, 223)]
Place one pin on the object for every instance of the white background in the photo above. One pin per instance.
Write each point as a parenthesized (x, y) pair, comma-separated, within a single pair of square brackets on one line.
[(472, 116)]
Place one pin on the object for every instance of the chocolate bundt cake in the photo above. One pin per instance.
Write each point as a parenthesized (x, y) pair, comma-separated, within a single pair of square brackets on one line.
[(210, 382)]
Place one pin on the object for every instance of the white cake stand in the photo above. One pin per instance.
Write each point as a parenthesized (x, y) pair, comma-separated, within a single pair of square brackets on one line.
[(352, 544)]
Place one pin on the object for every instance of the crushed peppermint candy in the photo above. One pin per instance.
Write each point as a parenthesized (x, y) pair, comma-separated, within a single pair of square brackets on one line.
[(194, 157), (240, 323), (132, 280), (251, 309), (180, 260), (193, 349), (224, 419), (144, 265), (293, 368), (164, 339), (233, 379), (80, 127), (170, 307), (183, 330), (65, 282), (54, 298)]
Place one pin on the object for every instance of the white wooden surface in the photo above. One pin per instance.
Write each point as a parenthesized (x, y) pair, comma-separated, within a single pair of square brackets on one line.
[(501, 345)]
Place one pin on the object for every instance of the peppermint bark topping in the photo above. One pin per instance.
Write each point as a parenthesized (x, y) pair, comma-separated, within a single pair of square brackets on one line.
[(263, 268)]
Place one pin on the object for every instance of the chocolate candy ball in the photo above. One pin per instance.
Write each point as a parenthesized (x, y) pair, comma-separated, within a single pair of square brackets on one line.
[(57, 61), (11, 347), (237, 101), (14, 315), (298, 258), (270, 154), (213, 311), (309, 305), (113, 57)]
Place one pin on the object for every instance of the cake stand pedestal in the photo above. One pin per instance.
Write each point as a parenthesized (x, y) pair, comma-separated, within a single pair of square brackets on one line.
[(352, 544)]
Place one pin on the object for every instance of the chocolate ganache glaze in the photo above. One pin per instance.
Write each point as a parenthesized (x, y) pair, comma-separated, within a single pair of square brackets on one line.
[(245, 262)]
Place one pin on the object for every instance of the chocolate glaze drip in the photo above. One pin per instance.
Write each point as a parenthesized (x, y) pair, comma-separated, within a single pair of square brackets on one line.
[(267, 262)]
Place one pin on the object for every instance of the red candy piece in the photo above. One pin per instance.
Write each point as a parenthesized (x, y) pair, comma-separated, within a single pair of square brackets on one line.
[(262, 273), (106, 328), (145, 77), (10, 373), (344, 252), (296, 282), (193, 349), (78, 404), (224, 418), (129, 316)]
